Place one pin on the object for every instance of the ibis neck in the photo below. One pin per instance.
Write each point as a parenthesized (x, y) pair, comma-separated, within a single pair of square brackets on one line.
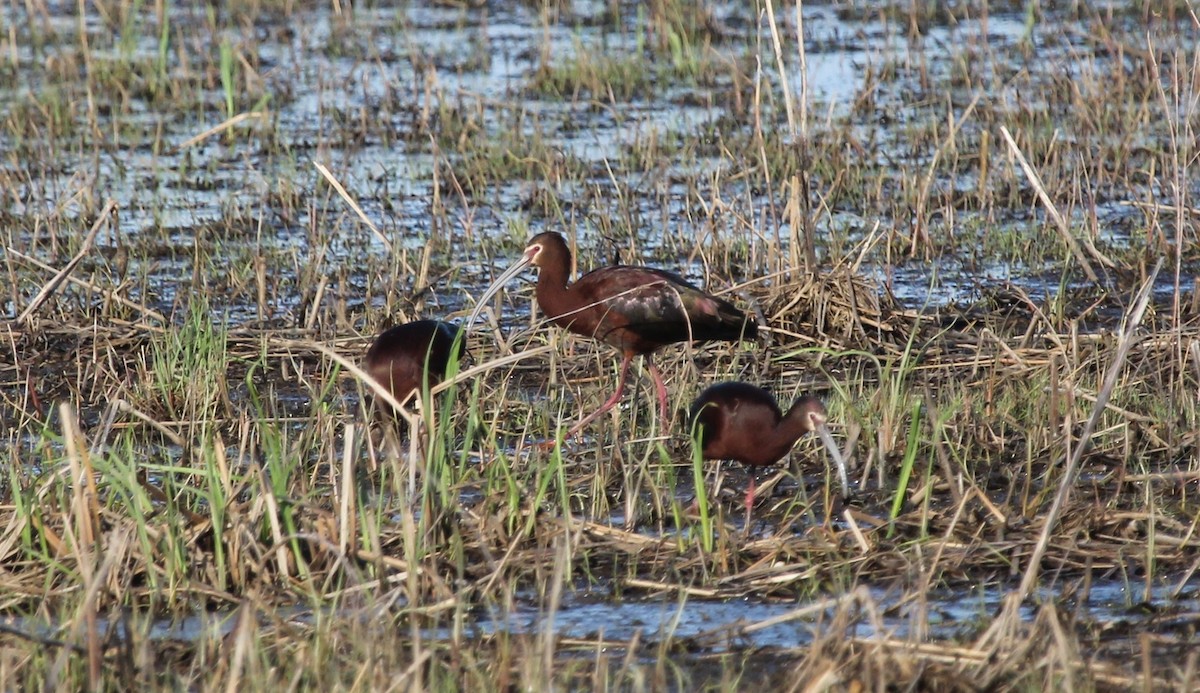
[(785, 434), (553, 294)]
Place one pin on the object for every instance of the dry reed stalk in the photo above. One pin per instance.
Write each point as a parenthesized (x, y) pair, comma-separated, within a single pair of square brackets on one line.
[(108, 294), (378, 390), (116, 549), (777, 47), (413, 672), (222, 127), (1064, 230), (56, 281), (85, 497), (497, 572), (125, 407), (807, 611), (347, 529), (562, 567), (337, 186), (409, 529), (240, 638), (1132, 321), (82, 538), (803, 55), (314, 303), (266, 496), (938, 652)]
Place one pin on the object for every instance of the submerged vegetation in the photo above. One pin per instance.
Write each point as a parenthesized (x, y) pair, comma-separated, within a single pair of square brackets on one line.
[(970, 228)]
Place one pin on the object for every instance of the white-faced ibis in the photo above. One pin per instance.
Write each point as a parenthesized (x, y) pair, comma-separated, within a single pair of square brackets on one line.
[(635, 309), (743, 422), (402, 357)]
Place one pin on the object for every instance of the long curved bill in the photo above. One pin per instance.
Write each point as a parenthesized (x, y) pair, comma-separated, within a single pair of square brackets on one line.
[(830, 445), (492, 290)]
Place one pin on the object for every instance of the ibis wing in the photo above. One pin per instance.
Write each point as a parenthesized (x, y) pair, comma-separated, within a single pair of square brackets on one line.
[(660, 306)]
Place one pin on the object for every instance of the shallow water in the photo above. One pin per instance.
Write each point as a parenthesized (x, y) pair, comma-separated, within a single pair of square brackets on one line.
[(169, 192), (598, 615)]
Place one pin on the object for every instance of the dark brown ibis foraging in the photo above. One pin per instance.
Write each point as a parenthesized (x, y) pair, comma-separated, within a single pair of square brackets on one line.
[(408, 357), (742, 422), (635, 309)]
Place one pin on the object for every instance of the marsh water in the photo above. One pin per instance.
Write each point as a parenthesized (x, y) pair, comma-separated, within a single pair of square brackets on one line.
[(708, 625), (368, 115)]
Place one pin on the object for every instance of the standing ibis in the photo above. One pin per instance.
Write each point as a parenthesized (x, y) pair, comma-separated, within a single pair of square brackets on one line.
[(742, 422), (635, 309), (407, 357)]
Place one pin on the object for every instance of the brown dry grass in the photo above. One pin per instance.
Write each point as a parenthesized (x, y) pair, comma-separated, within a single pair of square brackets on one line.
[(196, 497)]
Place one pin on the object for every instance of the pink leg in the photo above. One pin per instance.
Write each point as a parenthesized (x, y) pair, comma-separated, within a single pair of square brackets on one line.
[(612, 401), (749, 499), (660, 388)]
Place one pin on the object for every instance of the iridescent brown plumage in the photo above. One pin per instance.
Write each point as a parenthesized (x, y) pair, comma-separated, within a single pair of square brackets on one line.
[(635, 309), (400, 357), (737, 421)]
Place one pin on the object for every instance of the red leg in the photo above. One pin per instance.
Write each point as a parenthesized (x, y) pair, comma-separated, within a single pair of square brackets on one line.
[(750, 487), (612, 401), (660, 388)]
